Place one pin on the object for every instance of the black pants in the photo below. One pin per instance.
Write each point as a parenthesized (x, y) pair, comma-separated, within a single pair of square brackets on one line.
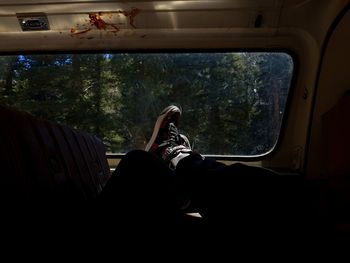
[(143, 183), (232, 199)]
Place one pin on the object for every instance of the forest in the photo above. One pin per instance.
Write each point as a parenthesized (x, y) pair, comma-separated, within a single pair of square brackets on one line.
[(232, 103)]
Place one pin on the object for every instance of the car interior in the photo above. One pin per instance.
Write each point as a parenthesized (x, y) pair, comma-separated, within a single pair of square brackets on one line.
[(53, 168)]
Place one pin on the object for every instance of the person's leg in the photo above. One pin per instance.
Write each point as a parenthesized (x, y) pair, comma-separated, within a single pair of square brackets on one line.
[(142, 201), (198, 176), (227, 191), (142, 185), (244, 199)]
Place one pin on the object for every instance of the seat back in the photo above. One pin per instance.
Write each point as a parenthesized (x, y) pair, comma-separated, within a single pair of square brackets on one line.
[(43, 162)]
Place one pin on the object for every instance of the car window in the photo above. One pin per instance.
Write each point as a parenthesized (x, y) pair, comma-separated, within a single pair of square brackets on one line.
[(233, 102)]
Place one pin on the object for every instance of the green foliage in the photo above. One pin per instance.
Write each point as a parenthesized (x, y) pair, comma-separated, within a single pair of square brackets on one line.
[(232, 102)]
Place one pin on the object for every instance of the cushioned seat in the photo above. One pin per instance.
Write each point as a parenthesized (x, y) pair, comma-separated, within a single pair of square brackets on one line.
[(43, 162)]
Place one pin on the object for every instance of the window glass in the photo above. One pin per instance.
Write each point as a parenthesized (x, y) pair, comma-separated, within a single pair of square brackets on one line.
[(232, 103)]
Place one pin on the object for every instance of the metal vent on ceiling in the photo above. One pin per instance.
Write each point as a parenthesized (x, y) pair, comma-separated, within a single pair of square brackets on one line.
[(33, 22)]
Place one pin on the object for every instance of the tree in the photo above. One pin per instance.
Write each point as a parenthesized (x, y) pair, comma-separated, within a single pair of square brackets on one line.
[(275, 76), (232, 102), (8, 67)]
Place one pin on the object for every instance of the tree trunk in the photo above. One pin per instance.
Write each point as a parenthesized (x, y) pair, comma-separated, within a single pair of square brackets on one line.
[(97, 88), (9, 76)]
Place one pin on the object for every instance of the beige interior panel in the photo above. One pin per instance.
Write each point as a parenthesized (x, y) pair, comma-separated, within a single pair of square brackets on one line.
[(334, 81)]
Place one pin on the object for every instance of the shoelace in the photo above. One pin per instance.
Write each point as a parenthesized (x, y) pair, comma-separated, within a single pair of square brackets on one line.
[(174, 137)]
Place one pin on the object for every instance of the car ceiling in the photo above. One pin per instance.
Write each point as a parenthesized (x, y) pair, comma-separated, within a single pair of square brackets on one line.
[(98, 24)]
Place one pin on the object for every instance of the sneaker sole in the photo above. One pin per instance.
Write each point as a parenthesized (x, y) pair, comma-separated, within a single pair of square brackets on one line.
[(164, 115)]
